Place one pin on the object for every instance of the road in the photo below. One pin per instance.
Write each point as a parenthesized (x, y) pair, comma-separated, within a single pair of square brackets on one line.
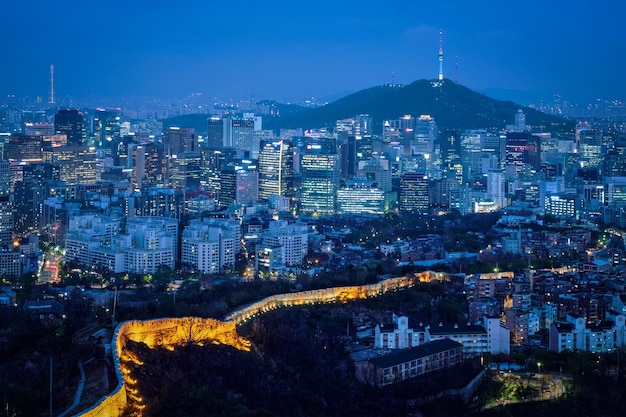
[(50, 271)]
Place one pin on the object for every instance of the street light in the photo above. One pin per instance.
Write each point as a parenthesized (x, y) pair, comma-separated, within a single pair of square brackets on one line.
[(539, 366)]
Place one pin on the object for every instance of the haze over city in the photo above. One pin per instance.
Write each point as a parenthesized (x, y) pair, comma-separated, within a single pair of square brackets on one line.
[(290, 51)]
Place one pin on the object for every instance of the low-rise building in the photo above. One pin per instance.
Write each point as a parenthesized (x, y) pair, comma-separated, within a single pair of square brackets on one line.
[(410, 363), (491, 336)]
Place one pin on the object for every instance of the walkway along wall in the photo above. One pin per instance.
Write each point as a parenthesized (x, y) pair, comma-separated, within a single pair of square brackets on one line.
[(171, 332)]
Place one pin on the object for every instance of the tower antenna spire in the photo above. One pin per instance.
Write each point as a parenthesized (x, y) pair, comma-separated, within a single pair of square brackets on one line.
[(456, 69), (51, 99), (440, 55)]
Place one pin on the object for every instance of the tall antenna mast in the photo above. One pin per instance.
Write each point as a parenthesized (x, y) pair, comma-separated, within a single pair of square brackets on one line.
[(456, 69), (393, 78), (440, 55), (51, 99)]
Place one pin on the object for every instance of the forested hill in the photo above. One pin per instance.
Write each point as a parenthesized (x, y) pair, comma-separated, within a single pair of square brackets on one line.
[(453, 106)]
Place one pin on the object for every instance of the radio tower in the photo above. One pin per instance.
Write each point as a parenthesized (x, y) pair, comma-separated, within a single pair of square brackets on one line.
[(440, 55), (51, 99)]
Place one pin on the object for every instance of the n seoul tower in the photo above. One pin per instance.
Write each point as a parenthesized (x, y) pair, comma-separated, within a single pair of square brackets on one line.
[(440, 56)]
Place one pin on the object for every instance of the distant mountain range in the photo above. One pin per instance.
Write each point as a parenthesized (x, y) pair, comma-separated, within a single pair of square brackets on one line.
[(452, 105)]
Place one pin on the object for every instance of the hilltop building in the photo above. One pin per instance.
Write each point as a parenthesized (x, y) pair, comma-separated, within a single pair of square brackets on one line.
[(492, 336), (410, 363)]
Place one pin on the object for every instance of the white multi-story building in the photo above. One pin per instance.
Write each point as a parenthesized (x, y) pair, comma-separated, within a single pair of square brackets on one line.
[(210, 245), (576, 334), (148, 243), (492, 336), (292, 239), (87, 234), (398, 335), (397, 247), (560, 205), (154, 242)]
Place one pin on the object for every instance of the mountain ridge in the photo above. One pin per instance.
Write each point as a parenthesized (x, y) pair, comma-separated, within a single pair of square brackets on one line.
[(453, 106)]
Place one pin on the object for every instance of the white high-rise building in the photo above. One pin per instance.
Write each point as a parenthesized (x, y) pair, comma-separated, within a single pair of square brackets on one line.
[(154, 242), (209, 245), (292, 239), (96, 240), (495, 187)]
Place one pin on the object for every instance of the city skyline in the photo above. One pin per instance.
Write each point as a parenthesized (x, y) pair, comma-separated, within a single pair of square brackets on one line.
[(289, 51)]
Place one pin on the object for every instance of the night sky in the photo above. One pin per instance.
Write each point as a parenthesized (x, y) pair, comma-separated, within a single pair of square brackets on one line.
[(292, 50)]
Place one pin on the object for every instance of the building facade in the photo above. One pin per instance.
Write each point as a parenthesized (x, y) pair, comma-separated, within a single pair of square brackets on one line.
[(410, 363)]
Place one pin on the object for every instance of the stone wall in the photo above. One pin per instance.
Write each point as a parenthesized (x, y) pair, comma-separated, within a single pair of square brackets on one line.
[(329, 295), (171, 332), (113, 404)]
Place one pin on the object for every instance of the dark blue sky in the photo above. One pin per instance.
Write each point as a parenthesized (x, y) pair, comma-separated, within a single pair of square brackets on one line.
[(292, 50)]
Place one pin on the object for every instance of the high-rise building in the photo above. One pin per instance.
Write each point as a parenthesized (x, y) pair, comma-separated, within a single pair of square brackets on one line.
[(239, 131), (348, 157), (70, 122), (6, 222), (185, 170), (360, 196), (495, 187), (24, 148), (373, 171), (106, 125), (157, 202), (450, 153), (38, 129), (276, 168), (75, 164), (5, 177), (474, 145), (147, 244), (239, 184), (424, 137), (27, 199), (149, 165), (320, 170), (215, 133), (290, 239), (523, 152), (87, 235), (208, 246), (590, 143), (365, 123), (399, 130), (154, 243), (178, 140), (364, 147), (614, 162), (560, 205), (414, 193)]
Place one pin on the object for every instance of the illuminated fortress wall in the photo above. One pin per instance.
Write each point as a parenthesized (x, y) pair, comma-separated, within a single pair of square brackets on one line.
[(171, 332), (329, 295), (113, 404)]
